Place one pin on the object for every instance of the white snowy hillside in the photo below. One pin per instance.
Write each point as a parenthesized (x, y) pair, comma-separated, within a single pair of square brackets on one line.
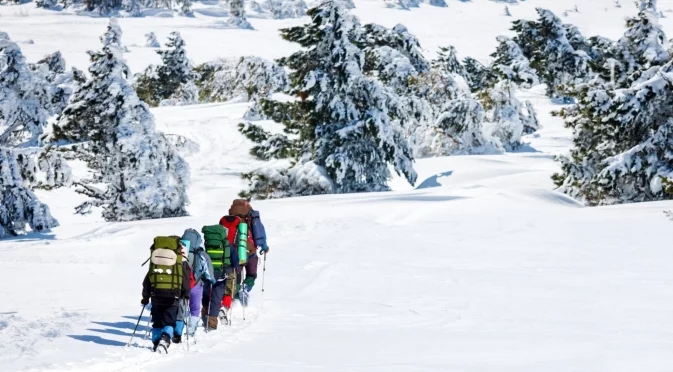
[(482, 265)]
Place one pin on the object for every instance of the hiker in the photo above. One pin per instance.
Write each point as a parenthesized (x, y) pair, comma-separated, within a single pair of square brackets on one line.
[(241, 212), (202, 268), (225, 262), (165, 284)]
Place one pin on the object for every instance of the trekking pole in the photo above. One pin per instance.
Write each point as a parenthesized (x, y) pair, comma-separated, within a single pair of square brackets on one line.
[(263, 272), (136, 328), (187, 321)]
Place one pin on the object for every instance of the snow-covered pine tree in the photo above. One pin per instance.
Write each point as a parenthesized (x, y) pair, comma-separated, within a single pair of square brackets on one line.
[(650, 5), (505, 113), (282, 9), (458, 124), (479, 76), (437, 3), (58, 83), (186, 8), (104, 7), (19, 207), (635, 57), (546, 45), (342, 124), (151, 40), (509, 63), (398, 38), (448, 59), (133, 7), (113, 132), (530, 121), (24, 99), (237, 18), (46, 4), (173, 81), (258, 79), (622, 141)]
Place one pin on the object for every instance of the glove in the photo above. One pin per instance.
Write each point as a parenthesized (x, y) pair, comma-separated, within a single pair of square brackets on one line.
[(264, 249), (145, 301)]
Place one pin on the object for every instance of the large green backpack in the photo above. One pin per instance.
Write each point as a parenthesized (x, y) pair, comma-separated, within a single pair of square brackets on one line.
[(217, 246), (166, 267)]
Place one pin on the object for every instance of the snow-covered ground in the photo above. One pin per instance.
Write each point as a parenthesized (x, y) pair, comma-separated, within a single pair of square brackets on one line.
[(481, 267)]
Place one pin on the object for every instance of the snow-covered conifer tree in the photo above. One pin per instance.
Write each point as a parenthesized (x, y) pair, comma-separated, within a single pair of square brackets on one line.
[(186, 8), (46, 4), (19, 207), (448, 59), (505, 112), (342, 123), (173, 81), (546, 45), (133, 7), (24, 99), (282, 9), (509, 63), (479, 76), (622, 141), (650, 5), (237, 18), (151, 40), (110, 129)]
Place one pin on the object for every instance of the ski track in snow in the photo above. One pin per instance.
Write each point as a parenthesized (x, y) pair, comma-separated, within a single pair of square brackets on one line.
[(483, 268)]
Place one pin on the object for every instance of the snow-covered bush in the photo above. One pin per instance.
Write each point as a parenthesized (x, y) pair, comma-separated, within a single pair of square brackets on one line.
[(342, 126), (237, 18), (135, 172), (20, 209), (479, 77)]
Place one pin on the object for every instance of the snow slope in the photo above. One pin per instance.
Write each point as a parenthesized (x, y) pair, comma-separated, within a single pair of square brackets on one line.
[(481, 267)]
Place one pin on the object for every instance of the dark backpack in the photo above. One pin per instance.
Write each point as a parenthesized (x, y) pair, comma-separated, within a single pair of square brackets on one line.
[(165, 271)]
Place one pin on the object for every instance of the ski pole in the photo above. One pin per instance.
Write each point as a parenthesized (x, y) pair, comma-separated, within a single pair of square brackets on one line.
[(263, 272), (136, 328), (187, 321)]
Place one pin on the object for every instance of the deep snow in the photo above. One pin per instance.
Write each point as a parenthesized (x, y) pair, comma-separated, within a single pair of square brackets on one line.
[(482, 267)]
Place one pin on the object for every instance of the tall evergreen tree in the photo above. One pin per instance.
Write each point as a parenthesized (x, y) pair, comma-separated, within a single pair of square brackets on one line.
[(113, 132), (24, 99), (19, 207), (343, 128)]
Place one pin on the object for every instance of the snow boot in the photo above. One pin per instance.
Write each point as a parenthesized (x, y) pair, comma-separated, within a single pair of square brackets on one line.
[(163, 344), (177, 338), (212, 323)]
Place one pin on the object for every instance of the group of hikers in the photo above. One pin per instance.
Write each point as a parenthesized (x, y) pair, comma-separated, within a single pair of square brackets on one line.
[(193, 279)]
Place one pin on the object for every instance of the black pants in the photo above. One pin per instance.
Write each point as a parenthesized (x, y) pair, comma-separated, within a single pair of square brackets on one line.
[(164, 315)]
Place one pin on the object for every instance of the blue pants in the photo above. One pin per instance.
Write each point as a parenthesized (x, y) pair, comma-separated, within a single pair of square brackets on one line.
[(157, 332)]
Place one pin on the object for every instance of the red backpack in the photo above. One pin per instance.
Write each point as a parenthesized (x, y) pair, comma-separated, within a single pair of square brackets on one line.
[(231, 224)]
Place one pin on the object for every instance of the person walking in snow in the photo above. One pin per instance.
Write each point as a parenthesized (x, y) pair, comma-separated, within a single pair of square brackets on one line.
[(242, 212), (165, 284), (202, 268)]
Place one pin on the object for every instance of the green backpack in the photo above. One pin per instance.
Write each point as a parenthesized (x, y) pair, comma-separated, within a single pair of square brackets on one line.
[(166, 267), (217, 246)]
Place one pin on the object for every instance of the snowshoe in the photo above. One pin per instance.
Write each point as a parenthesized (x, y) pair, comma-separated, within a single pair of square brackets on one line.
[(163, 344)]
